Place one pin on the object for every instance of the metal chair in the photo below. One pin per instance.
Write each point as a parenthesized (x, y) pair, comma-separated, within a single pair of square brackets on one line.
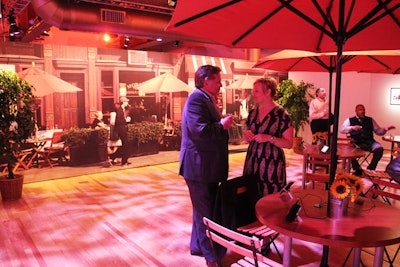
[(246, 246), (316, 168), (235, 209), (55, 150), (388, 191)]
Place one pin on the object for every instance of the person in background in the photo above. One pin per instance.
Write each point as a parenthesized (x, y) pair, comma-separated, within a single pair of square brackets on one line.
[(268, 130), (203, 160), (361, 129), (98, 121), (319, 116), (121, 129)]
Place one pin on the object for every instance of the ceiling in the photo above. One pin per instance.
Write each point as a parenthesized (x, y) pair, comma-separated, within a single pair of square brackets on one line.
[(76, 22)]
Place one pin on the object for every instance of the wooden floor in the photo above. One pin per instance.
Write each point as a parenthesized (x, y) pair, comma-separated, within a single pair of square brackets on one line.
[(128, 217)]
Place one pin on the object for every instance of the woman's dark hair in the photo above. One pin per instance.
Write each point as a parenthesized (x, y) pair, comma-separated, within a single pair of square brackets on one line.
[(204, 73), (268, 83)]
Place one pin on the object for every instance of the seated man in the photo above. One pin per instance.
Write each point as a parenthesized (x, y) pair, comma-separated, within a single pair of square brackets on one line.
[(362, 128)]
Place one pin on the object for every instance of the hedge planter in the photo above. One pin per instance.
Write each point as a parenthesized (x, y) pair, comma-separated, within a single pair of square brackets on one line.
[(88, 154), (141, 149)]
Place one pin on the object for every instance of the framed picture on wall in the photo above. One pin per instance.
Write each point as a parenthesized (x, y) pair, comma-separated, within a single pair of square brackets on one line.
[(394, 96)]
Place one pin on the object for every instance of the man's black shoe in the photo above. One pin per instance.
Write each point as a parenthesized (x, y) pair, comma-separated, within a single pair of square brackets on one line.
[(196, 253)]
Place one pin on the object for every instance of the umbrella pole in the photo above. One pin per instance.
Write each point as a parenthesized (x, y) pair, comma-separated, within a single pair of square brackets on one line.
[(339, 42), (330, 104)]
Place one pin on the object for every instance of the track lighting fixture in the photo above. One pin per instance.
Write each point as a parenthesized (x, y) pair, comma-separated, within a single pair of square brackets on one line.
[(13, 30), (126, 44)]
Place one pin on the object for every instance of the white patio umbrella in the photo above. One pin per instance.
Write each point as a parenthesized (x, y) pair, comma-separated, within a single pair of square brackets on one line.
[(164, 83), (45, 83), (244, 82)]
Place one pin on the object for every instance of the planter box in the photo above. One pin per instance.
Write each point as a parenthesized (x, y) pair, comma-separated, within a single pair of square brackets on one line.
[(88, 154), (140, 149)]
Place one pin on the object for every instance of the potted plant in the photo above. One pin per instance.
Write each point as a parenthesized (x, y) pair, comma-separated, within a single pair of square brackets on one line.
[(86, 145), (16, 125), (144, 137), (295, 99)]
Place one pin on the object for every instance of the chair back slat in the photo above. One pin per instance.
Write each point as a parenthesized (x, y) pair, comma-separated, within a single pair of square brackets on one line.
[(381, 188), (316, 168), (247, 246)]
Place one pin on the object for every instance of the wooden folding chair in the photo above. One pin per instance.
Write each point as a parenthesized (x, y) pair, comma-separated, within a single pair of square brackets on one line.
[(55, 150), (246, 246), (236, 200), (316, 168), (388, 190)]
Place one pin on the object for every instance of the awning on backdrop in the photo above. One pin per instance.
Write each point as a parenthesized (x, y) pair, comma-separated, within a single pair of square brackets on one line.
[(193, 62)]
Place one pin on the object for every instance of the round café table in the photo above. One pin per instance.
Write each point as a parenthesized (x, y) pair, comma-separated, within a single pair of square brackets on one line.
[(345, 152), (394, 139), (372, 224)]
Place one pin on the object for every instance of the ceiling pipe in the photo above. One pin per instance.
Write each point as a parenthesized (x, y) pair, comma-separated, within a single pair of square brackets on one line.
[(87, 17)]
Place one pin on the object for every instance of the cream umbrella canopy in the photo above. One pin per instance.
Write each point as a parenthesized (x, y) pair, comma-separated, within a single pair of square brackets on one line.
[(44, 83), (244, 82), (164, 83)]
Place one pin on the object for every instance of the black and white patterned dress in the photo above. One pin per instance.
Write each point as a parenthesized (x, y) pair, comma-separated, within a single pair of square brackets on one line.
[(266, 160)]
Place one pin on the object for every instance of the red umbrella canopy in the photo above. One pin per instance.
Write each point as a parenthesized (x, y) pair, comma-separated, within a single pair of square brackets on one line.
[(378, 61), (298, 24)]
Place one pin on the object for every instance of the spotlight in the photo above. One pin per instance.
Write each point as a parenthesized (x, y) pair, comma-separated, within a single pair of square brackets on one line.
[(106, 37), (172, 3), (126, 44)]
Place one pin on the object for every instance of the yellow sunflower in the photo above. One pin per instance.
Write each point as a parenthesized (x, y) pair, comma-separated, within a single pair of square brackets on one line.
[(340, 189), (346, 184)]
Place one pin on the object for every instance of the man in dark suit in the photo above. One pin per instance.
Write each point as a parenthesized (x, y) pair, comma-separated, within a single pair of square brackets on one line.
[(204, 154), (121, 129), (361, 129)]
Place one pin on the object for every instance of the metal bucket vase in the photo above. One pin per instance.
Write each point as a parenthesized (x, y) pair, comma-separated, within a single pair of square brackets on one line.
[(11, 189), (338, 207)]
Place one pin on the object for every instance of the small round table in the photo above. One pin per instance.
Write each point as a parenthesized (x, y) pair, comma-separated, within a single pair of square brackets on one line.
[(394, 139), (362, 227)]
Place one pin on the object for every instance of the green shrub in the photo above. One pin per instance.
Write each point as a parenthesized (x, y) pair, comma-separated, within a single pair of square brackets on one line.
[(145, 132)]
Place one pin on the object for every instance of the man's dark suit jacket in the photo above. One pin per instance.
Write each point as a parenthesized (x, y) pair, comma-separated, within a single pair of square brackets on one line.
[(204, 148)]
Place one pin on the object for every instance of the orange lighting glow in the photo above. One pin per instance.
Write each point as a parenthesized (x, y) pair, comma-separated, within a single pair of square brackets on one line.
[(106, 37)]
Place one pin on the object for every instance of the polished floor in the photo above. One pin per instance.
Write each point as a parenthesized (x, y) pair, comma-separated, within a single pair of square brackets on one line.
[(139, 216)]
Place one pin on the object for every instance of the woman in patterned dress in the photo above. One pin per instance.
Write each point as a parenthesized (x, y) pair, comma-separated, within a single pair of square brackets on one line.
[(268, 130)]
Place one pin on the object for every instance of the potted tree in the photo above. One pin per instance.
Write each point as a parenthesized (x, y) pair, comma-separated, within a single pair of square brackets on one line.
[(295, 99), (16, 125)]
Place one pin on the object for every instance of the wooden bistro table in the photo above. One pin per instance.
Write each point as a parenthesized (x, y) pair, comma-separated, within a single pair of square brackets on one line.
[(394, 139), (345, 152), (372, 224), (38, 145)]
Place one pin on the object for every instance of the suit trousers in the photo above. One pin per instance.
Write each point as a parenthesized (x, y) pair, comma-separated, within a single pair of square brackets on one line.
[(203, 197)]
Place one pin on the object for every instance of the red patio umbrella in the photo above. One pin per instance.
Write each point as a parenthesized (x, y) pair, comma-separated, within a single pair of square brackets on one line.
[(318, 26), (377, 61)]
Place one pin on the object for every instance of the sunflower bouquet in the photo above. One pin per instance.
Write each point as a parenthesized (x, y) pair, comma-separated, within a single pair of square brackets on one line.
[(346, 185)]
